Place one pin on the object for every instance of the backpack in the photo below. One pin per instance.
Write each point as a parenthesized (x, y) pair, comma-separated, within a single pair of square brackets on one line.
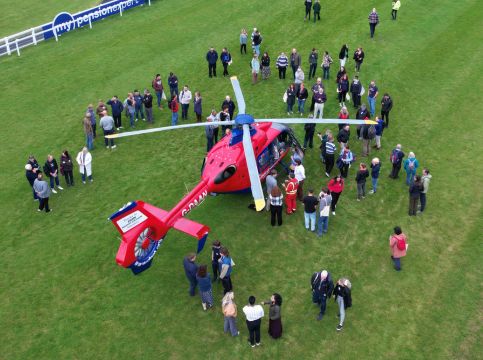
[(371, 132), (401, 244), (394, 158), (411, 164), (169, 104)]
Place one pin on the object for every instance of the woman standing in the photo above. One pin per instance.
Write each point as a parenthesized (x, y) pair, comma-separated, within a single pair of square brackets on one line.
[(255, 64), (414, 194), (274, 316), (342, 295), (358, 58), (204, 283), (88, 131), (228, 307), (343, 89), (361, 176), (174, 107), (343, 115), (225, 59), (340, 73), (343, 55), (398, 245), (84, 159), (225, 267), (265, 66), (276, 204), (299, 77), (197, 102), (302, 95), (411, 164), (346, 159), (66, 168), (291, 93), (243, 41), (327, 60), (375, 169), (335, 186)]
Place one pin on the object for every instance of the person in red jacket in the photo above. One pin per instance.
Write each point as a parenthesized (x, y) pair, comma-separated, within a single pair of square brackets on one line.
[(335, 186), (157, 85), (291, 185), (174, 106), (398, 245)]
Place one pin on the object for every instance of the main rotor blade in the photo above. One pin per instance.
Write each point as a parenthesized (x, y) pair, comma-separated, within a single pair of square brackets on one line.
[(238, 94), (183, 126), (256, 186), (318, 121)]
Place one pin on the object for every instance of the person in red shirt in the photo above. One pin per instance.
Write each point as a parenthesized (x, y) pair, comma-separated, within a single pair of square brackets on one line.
[(157, 85), (291, 185), (174, 106), (335, 186), (397, 240)]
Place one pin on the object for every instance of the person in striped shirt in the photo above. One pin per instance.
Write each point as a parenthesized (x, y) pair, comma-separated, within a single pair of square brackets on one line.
[(329, 154), (276, 203), (282, 63)]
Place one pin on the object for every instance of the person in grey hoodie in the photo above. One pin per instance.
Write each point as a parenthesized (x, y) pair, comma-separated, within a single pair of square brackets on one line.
[(425, 179), (42, 189)]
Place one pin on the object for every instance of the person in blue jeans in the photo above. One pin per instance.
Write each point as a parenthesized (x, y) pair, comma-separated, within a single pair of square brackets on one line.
[(302, 95), (325, 200), (375, 169), (131, 108), (138, 106), (411, 165), (310, 210), (322, 287), (372, 93), (190, 270)]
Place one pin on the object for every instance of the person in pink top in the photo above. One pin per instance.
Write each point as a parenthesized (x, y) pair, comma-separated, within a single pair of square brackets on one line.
[(398, 244)]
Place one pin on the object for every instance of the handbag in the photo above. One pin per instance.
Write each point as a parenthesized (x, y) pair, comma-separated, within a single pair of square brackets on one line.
[(163, 96), (347, 97), (363, 91), (285, 97)]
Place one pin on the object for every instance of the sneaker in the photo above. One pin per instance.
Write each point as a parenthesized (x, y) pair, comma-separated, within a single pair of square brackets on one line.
[(36, 199), (91, 180), (118, 129), (83, 182), (252, 346), (136, 120), (39, 210), (53, 190), (339, 327), (320, 317), (333, 213), (107, 147), (258, 344), (371, 192), (288, 113), (327, 174), (358, 199), (204, 306), (113, 146), (60, 188), (144, 119)]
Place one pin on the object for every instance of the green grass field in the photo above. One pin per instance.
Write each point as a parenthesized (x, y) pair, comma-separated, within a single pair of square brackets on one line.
[(62, 296)]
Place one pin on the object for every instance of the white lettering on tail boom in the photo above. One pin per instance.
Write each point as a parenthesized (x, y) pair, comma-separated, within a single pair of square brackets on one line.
[(194, 203)]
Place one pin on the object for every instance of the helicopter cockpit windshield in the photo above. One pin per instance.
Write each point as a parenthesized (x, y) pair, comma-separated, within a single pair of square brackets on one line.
[(225, 174)]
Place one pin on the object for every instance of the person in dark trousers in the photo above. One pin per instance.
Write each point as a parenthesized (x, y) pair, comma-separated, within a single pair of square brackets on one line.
[(31, 175), (138, 105), (343, 136), (197, 106), (276, 205), (322, 287), (343, 55), (386, 106), (346, 158), (373, 21), (212, 58), (315, 89), (282, 63), (190, 269), (316, 8), (90, 110), (329, 155), (343, 298), (225, 264), (228, 102), (148, 105), (343, 89), (375, 170), (335, 186), (414, 194), (254, 314), (215, 258), (398, 245), (396, 4), (275, 316), (116, 111), (309, 134), (308, 8), (67, 167), (425, 179), (396, 158), (173, 84), (51, 169), (295, 61), (356, 88), (361, 176), (313, 57), (358, 58), (362, 113), (225, 59), (42, 190), (157, 85)]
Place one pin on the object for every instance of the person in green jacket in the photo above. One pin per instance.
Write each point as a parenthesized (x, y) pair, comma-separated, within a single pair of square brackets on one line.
[(316, 8)]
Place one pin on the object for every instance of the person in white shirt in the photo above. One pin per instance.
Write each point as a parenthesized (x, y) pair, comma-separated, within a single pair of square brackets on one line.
[(84, 159), (325, 200), (299, 173), (184, 100), (254, 314)]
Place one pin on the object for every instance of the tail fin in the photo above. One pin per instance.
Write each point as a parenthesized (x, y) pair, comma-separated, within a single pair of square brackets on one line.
[(143, 230)]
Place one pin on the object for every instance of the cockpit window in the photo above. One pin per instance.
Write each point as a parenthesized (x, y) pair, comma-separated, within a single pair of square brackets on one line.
[(225, 174)]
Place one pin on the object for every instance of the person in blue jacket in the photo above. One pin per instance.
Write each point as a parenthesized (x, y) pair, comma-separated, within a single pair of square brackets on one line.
[(411, 165), (117, 108), (379, 129), (225, 59), (212, 58), (138, 106), (190, 269), (375, 169), (225, 268)]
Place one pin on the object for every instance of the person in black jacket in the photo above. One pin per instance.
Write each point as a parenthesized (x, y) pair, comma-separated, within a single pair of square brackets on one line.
[(322, 287), (343, 55), (356, 88), (396, 159), (361, 114), (342, 295), (309, 134), (212, 58), (66, 168), (228, 102), (343, 136), (358, 58), (386, 106), (375, 169), (31, 175), (51, 169), (116, 110), (414, 194), (361, 177)]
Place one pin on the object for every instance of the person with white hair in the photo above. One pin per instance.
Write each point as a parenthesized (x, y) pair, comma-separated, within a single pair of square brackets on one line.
[(342, 295), (31, 175), (322, 287), (375, 169), (84, 159), (411, 165), (228, 307)]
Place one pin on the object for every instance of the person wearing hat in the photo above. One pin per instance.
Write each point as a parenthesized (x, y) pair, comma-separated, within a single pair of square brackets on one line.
[(42, 189), (342, 295), (322, 287)]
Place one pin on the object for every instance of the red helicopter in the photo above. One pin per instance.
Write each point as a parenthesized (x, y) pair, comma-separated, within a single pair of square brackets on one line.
[(239, 162)]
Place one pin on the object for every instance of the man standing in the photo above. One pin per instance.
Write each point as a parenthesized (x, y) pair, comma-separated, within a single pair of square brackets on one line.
[(212, 58), (322, 287), (356, 89), (426, 178), (42, 190), (173, 84), (319, 100), (117, 108), (343, 136), (148, 105), (90, 110), (190, 269), (184, 100), (325, 200), (396, 159), (254, 314), (310, 210), (228, 102), (107, 125), (51, 169), (371, 97), (270, 182), (295, 61), (373, 21), (313, 56), (386, 106), (291, 186), (157, 85), (225, 268), (358, 58), (282, 63)]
